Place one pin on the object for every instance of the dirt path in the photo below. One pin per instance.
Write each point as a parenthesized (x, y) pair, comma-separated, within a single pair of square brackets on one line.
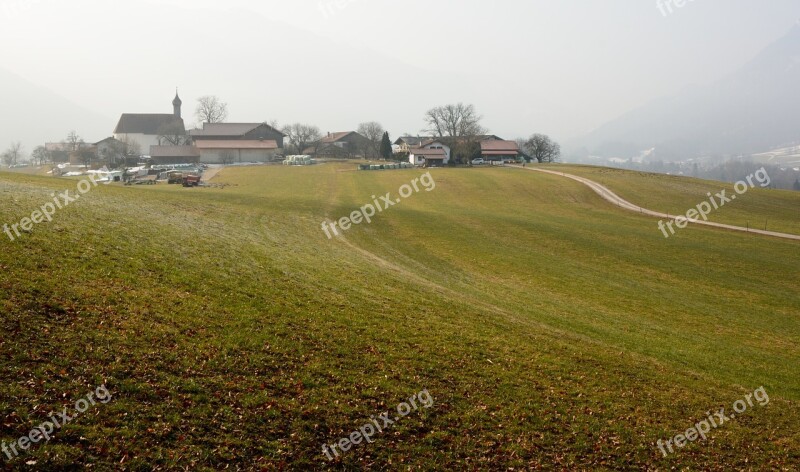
[(211, 172), (622, 203)]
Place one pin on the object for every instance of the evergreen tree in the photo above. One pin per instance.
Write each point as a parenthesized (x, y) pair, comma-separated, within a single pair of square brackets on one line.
[(386, 146)]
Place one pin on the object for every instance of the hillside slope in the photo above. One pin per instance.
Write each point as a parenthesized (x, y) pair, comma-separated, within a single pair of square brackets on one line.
[(232, 332)]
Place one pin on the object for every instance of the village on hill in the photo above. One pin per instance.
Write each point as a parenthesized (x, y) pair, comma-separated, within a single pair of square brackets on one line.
[(151, 147)]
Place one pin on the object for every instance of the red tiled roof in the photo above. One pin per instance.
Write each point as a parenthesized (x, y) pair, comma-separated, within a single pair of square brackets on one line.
[(225, 129), (428, 142), (333, 137), (508, 147), (436, 153), (236, 144)]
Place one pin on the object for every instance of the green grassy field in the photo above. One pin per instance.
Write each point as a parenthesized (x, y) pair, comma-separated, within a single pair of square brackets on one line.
[(757, 208), (551, 329)]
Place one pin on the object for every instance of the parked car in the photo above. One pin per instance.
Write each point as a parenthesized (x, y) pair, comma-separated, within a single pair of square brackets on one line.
[(479, 161)]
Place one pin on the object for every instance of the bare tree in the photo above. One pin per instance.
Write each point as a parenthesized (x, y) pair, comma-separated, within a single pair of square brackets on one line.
[(87, 155), (542, 148), (454, 121), (211, 109), (115, 152), (461, 124), (131, 147), (73, 141), (373, 131), (41, 155), (301, 136), (13, 154), (226, 157), (174, 134)]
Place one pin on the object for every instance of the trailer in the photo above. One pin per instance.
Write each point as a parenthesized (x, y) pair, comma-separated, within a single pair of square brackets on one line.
[(191, 180)]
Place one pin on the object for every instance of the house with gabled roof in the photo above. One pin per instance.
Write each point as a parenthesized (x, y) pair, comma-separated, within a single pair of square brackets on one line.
[(498, 150), (148, 129), (238, 131), (228, 143), (349, 144), (405, 144), (430, 153), (163, 155), (230, 151)]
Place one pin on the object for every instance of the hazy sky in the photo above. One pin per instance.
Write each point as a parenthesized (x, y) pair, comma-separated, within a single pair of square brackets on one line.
[(559, 67)]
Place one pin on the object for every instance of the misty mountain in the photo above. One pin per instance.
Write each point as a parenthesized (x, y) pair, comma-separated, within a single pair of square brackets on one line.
[(757, 108), (34, 114)]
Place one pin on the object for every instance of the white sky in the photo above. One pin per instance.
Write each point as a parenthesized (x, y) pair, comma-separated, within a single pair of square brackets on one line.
[(559, 67)]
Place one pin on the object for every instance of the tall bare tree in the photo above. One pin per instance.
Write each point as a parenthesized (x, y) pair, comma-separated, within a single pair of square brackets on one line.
[(460, 124), (210, 109), (542, 148), (373, 131), (301, 136), (73, 141), (454, 121)]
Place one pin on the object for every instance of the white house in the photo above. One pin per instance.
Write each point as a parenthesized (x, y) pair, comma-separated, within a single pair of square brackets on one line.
[(430, 154)]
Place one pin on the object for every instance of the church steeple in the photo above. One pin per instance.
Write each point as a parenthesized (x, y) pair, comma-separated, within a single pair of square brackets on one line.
[(176, 104)]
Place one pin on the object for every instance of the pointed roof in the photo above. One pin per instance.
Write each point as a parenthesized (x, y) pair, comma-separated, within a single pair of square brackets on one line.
[(177, 101), (222, 130), (334, 137), (150, 124)]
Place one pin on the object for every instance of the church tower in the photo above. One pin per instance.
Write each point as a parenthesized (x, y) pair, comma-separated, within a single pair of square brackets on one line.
[(176, 104)]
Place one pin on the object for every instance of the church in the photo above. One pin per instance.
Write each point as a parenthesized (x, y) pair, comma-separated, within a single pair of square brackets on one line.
[(149, 129)]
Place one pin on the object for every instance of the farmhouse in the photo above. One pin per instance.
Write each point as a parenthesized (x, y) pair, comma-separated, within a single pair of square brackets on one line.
[(237, 132), (228, 151), (150, 129), (430, 153), (161, 155), (226, 143), (496, 150), (342, 144), (405, 144)]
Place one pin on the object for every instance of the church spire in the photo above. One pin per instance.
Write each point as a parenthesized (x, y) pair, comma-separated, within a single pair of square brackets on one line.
[(176, 104)]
